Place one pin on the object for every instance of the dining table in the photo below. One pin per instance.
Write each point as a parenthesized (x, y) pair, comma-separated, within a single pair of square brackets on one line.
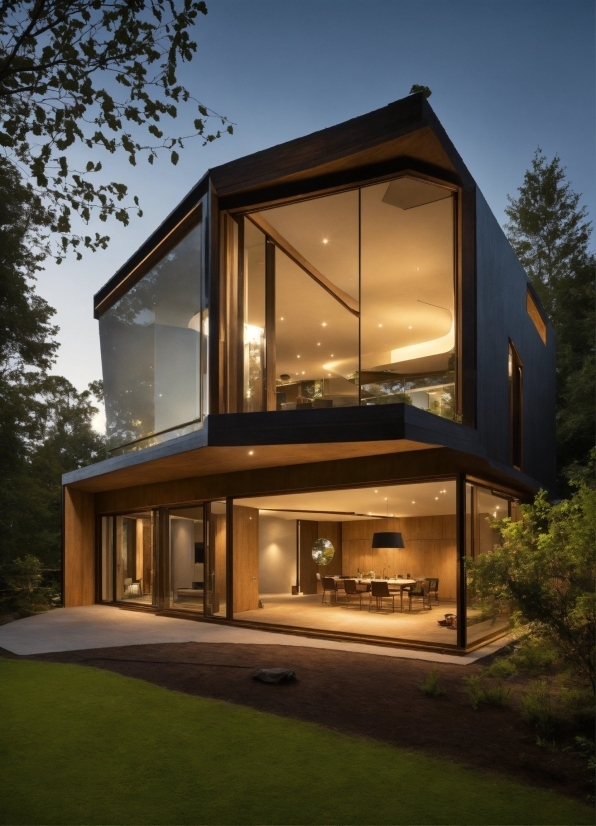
[(394, 584)]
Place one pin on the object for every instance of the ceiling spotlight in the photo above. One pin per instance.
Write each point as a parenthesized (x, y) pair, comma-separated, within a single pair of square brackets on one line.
[(325, 240), (318, 343), (282, 318), (436, 497), (251, 452), (410, 327), (331, 355), (413, 502), (380, 325), (324, 324), (376, 491), (297, 357)]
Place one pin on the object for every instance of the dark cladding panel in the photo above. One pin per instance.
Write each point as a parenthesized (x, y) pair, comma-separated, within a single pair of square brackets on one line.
[(503, 317)]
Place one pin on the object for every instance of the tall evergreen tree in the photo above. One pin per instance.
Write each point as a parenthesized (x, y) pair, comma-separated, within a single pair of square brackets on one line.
[(550, 233)]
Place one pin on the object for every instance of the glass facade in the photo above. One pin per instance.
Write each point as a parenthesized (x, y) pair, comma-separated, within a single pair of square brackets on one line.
[(334, 549), (151, 341), (361, 297), (483, 618)]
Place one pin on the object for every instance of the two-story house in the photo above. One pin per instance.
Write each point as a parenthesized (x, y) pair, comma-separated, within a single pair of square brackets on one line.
[(324, 373)]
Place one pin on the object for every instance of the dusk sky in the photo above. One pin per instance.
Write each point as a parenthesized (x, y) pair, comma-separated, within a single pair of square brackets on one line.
[(506, 77)]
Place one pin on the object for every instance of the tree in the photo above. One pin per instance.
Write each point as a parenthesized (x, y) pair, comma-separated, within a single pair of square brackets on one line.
[(45, 424), (545, 570), (97, 73), (550, 233)]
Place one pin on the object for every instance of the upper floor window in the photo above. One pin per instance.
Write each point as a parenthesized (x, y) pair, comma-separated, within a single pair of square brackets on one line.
[(349, 299), (151, 342)]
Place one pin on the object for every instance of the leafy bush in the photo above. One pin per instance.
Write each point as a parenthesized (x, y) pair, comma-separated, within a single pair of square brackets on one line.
[(431, 685), (501, 669), (541, 710), (23, 591), (545, 569), (535, 656), (491, 695)]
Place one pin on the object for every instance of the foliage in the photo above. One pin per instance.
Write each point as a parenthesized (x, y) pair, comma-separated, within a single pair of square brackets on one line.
[(541, 710), (550, 233), (546, 569), (481, 693), (501, 669), (45, 424), (22, 587), (432, 685), (535, 656), (103, 75)]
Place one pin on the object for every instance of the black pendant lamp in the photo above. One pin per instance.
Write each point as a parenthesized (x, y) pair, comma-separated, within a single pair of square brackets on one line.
[(387, 539)]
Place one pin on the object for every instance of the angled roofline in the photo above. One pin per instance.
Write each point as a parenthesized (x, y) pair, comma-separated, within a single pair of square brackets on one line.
[(314, 155)]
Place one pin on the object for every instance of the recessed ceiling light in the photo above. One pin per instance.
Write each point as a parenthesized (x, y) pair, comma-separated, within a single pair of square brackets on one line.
[(281, 319), (318, 343), (325, 240), (324, 324), (376, 491), (251, 452), (380, 325), (410, 327), (297, 357), (436, 497), (303, 372), (413, 502)]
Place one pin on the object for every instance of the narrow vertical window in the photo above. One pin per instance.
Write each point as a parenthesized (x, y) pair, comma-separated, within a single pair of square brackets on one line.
[(515, 406)]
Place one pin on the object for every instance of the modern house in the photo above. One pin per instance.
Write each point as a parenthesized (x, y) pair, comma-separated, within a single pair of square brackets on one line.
[(324, 373)]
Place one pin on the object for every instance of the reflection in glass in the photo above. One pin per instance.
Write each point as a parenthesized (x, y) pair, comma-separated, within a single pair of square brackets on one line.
[(215, 560), (483, 618), (107, 558), (134, 558), (322, 551), (254, 319), (407, 303), (316, 342), (150, 345), (187, 558)]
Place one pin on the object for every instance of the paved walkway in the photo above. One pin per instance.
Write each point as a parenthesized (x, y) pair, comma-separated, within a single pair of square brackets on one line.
[(104, 626)]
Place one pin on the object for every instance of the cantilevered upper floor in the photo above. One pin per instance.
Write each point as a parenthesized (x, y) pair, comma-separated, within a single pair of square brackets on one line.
[(357, 267)]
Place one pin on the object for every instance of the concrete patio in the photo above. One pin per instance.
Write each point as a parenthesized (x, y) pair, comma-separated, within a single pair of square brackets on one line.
[(103, 626)]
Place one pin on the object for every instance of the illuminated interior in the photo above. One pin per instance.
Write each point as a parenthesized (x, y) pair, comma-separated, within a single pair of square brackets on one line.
[(362, 285)]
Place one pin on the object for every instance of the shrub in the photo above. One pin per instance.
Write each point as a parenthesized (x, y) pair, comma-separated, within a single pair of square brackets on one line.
[(491, 695), (431, 685), (536, 656), (501, 669), (541, 710)]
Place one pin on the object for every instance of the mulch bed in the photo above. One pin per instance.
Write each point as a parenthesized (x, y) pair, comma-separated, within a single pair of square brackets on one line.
[(361, 694)]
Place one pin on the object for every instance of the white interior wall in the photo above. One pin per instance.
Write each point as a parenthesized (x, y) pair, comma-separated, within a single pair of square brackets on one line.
[(277, 555), (182, 544)]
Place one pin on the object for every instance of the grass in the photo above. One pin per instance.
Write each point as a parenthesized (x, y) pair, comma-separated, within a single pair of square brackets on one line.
[(84, 746), (431, 685)]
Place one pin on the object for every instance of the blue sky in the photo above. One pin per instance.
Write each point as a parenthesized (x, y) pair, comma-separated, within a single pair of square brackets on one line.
[(506, 76)]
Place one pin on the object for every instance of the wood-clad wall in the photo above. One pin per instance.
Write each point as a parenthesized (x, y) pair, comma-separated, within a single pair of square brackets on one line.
[(246, 559), (430, 549), (309, 533), (79, 548), (218, 538)]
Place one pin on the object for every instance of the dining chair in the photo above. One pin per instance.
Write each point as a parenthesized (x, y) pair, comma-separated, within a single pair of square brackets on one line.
[(379, 591), (433, 588), (353, 590), (419, 591), (329, 585)]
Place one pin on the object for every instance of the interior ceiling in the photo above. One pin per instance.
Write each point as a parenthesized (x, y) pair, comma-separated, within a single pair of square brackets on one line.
[(422, 499), (407, 260)]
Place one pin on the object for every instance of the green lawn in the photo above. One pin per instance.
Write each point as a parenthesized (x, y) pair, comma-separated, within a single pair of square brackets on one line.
[(84, 746)]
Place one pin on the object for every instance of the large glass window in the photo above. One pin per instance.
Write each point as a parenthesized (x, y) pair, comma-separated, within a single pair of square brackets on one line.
[(151, 349), (134, 557), (408, 307), (378, 562), (483, 617), (356, 305), (187, 559)]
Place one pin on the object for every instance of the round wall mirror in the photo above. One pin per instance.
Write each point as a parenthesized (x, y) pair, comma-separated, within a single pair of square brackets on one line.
[(322, 552)]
